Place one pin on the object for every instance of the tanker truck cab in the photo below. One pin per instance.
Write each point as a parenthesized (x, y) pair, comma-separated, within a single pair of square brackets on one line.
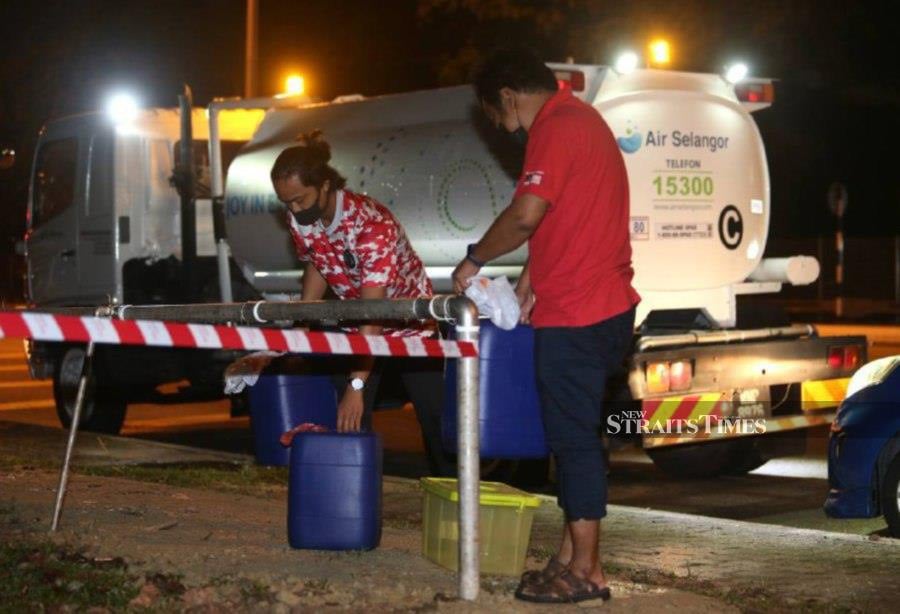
[(70, 238), (103, 228)]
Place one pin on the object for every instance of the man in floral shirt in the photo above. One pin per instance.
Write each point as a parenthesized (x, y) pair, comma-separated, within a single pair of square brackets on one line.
[(353, 245)]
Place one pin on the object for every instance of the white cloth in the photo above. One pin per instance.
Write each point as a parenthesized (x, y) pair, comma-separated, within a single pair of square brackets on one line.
[(245, 370)]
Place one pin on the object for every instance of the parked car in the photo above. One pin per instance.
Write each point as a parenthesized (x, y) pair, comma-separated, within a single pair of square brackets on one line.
[(864, 447)]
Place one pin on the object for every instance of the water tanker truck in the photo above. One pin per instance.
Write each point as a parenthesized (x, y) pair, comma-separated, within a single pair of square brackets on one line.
[(104, 227)]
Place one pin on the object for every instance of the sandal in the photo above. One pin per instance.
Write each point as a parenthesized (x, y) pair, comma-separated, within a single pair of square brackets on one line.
[(565, 587), (538, 576)]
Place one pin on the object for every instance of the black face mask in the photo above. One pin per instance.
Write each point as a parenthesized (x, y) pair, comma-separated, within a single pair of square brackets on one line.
[(520, 136), (310, 216)]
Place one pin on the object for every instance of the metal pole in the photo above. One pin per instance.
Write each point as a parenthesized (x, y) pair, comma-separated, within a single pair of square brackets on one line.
[(266, 312), (467, 387), (73, 431), (252, 36), (439, 307), (186, 191)]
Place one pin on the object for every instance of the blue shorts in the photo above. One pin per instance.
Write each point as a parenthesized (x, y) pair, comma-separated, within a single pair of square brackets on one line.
[(572, 365)]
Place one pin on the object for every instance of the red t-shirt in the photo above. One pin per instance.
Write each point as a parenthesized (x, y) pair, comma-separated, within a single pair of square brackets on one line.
[(363, 246), (580, 255)]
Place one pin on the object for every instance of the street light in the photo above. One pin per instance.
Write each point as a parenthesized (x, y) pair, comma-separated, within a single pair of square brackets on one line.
[(294, 85), (660, 52)]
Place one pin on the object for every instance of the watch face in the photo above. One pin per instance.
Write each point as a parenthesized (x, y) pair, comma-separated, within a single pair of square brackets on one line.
[(357, 384)]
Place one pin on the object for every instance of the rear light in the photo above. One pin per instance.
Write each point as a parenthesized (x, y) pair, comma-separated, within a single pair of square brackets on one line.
[(680, 375), (844, 357), (657, 377), (755, 92), (835, 358), (573, 79), (852, 356), (669, 376)]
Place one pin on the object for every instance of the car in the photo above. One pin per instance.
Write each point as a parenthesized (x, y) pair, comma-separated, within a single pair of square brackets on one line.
[(864, 447)]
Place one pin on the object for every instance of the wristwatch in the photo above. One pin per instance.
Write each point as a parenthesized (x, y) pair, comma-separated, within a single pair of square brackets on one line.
[(357, 383), (471, 258)]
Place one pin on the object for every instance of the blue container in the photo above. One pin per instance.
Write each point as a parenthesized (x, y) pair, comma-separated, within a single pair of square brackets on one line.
[(510, 420), (278, 403), (334, 491)]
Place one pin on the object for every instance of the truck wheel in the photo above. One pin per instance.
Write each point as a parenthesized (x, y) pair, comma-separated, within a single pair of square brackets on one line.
[(705, 460), (890, 497), (103, 410)]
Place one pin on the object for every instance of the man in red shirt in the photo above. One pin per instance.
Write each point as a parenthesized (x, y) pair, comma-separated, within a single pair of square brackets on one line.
[(571, 205), (353, 245)]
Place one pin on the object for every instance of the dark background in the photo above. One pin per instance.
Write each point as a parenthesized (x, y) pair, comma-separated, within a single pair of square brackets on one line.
[(834, 118)]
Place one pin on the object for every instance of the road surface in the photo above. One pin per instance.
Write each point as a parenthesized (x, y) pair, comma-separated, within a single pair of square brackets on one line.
[(787, 491)]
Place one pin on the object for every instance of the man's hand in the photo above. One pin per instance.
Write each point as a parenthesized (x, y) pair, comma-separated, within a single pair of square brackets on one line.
[(350, 411), (463, 272), (526, 304), (525, 295)]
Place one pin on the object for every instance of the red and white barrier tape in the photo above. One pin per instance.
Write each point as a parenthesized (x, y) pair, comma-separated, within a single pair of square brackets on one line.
[(50, 327)]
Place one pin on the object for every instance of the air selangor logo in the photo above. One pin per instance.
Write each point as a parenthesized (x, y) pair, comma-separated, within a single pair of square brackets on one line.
[(632, 140)]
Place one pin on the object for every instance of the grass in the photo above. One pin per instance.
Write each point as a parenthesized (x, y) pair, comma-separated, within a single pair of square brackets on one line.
[(38, 576), (243, 479)]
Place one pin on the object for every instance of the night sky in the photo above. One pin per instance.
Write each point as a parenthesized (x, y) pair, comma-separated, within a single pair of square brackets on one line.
[(834, 119)]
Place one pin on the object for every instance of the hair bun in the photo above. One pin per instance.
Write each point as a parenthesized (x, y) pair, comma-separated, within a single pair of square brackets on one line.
[(317, 145)]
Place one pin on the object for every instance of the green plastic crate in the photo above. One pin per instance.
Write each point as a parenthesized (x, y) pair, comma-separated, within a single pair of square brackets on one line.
[(504, 530)]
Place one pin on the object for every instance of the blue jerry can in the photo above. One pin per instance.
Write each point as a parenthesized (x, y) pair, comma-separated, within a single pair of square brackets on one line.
[(334, 491), (278, 403), (510, 415)]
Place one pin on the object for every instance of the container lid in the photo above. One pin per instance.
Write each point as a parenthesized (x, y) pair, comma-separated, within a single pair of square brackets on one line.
[(492, 493)]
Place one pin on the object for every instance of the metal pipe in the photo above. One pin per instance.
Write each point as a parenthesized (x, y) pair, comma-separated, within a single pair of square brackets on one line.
[(73, 431), (185, 174), (468, 466), (223, 264), (438, 307), (252, 36), (724, 336), (272, 312)]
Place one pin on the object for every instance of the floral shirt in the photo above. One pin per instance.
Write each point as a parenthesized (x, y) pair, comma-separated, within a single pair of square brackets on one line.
[(364, 246)]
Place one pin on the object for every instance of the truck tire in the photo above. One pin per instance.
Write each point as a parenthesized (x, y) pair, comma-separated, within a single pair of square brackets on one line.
[(706, 460), (104, 409), (890, 497)]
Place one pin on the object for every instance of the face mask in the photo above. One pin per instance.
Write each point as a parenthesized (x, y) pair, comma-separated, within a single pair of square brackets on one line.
[(310, 216), (520, 136)]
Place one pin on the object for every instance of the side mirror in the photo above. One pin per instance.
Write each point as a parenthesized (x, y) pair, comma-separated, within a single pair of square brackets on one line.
[(7, 159)]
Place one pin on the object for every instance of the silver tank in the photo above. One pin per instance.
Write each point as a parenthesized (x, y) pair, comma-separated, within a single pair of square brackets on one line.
[(429, 156)]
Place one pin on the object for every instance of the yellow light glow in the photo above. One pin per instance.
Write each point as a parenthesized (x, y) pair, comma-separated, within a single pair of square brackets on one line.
[(660, 52), (657, 377), (294, 85)]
